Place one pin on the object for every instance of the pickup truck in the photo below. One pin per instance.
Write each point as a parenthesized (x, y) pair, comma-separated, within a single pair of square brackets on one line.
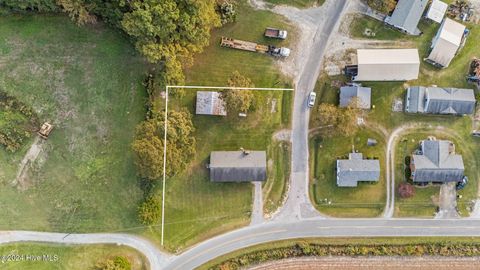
[(276, 33)]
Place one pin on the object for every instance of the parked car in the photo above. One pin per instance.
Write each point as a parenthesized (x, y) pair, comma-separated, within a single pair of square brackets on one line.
[(311, 99)]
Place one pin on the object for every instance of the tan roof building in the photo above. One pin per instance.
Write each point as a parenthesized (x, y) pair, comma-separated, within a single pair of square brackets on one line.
[(210, 103), (446, 43), (387, 65)]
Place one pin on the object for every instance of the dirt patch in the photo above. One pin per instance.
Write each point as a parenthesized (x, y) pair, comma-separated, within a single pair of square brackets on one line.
[(21, 180), (373, 263), (283, 135)]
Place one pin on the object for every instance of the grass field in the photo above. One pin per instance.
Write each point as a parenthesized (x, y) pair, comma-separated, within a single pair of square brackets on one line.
[(87, 82), (366, 200), (196, 208), (69, 257)]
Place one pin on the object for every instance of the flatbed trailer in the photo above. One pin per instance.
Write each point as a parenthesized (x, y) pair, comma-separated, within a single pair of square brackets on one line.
[(253, 47)]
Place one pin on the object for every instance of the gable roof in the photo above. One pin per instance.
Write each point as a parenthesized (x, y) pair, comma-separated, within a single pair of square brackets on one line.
[(437, 163), (447, 42), (437, 100), (407, 14), (347, 93), (210, 103), (354, 169), (387, 64), (237, 166), (437, 11)]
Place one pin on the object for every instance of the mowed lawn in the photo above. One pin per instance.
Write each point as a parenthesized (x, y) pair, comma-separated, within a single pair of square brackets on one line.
[(72, 257), (197, 209), (385, 93), (365, 200), (87, 81)]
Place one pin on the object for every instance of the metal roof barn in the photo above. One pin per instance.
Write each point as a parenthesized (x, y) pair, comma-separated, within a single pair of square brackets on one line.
[(238, 166), (446, 43), (437, 11), (387, 65)]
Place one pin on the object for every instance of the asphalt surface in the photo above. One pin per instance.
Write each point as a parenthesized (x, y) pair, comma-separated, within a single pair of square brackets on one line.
[(298, 204), (269, 232)]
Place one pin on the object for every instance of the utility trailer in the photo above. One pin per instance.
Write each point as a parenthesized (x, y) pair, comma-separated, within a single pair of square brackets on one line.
[(275, 33), (254, 47)]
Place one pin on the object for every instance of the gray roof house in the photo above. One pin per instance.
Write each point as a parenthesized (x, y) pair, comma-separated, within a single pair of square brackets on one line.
[(210, 103), (437, 162), (435, 100), (363, 94), (446, 43), (406, 15), (356, 169), (238, 166)]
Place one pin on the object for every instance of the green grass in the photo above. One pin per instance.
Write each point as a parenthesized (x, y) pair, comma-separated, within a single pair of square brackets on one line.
[(366, 200), (276, 186), (379, 30), (297, 3), (215, 65), (425, 201), (87, 82), (384, 94), (197, 209), (68, 256)]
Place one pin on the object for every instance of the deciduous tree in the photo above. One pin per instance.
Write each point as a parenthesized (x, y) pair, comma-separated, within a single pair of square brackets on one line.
[(148, 145), (239, 100), (149, 211)]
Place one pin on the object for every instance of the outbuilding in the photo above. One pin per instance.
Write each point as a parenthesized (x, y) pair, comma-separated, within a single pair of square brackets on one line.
[(446, 43), (387, 65), (437, 11), (238, 166), (210, 103)]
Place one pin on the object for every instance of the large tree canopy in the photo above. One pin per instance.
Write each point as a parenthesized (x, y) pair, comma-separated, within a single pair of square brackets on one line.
[(238, 100), (149, 144), (170, 29)]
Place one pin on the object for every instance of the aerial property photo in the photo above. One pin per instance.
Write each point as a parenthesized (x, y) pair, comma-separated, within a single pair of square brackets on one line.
[(240, 134)]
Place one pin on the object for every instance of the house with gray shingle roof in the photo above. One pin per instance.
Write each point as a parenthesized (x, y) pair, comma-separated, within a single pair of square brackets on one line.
[(437, 162), (406, 15), (238, 166), (356, 169), (435, 100), (362, 94), (446, 43)]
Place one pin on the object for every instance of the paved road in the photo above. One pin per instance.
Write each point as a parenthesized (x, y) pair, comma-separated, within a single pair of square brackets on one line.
[(298, 204), (155, 257), (268, 232)]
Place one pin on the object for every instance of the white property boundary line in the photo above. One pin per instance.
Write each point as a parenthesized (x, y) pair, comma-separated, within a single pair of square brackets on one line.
[(166, 125)]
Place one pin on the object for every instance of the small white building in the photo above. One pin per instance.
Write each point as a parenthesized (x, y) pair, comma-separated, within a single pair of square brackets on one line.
[(437, 11), (210, 103), (446, 43), (387, 65)]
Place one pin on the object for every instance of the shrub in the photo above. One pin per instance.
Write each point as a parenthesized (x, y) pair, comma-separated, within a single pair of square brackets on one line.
[(150, 210), (406, 190), (117, 263)]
